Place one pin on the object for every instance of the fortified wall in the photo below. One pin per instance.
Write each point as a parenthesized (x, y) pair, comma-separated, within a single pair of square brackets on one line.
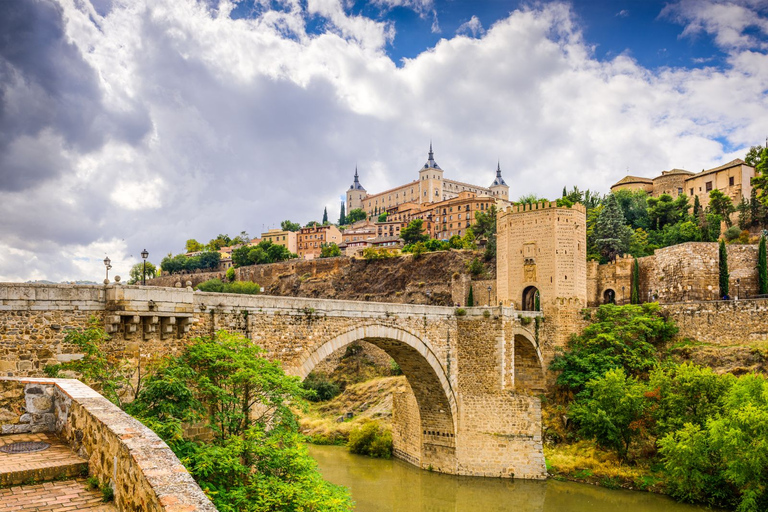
[(680, 273)]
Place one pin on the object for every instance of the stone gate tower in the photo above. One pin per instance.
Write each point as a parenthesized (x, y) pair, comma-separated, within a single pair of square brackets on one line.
[(542, 264)]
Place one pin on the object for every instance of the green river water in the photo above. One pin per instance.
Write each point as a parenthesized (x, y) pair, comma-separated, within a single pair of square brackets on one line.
[(394, 486)]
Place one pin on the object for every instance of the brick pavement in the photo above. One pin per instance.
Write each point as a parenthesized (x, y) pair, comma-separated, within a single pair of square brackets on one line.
[(62, 496), (56, 462)]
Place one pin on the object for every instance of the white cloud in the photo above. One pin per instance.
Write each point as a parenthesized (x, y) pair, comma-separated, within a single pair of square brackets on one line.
[(727, 21), (192, 124), (622, 13), (473, 27)]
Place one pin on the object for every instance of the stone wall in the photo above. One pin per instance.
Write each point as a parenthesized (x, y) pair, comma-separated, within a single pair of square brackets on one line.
[(684, 272), (144, 473), (732, 322)]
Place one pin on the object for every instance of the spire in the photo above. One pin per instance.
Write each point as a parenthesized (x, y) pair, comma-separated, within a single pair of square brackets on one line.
[(356, 184), (431, 155), (499, 180), (431, 164)]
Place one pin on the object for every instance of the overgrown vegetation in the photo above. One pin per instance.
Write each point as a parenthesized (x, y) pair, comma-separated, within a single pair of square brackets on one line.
[(264, 252), (371, 439), (216, 285), (255, 460), (206, 260), (705, 434)]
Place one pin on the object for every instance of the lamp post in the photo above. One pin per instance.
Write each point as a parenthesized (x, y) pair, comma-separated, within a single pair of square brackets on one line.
[(144, 256), (489, 295), (738, 282), (429, 297), (107, 263)]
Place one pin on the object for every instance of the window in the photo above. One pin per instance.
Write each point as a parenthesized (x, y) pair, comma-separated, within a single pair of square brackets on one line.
[(691, 191), (708, 186), (730, 181), (679, 191)]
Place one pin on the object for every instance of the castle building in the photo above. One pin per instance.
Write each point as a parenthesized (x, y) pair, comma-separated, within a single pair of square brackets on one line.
[(733, 179), (430, 187)]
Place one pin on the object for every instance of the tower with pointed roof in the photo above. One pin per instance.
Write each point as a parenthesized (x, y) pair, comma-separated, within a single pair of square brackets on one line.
[(499, 188), (355, 194), (430, 180)]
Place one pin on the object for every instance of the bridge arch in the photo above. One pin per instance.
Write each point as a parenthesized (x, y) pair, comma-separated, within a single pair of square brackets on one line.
[(435, 398), (529, 369)]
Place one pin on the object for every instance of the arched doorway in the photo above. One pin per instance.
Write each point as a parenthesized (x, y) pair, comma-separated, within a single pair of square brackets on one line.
[(431, 423), (531, 299), (609, 296), (529, 370)]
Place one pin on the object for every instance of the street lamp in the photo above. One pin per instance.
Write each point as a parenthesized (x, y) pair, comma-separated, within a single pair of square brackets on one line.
[(489, 295), (107, 264), (738, 282), (144, 255)]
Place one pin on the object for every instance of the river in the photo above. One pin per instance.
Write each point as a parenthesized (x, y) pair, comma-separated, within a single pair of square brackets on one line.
[(393, 486)]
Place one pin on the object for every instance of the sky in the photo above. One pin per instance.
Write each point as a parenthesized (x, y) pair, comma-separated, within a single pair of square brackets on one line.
[(138, 124)]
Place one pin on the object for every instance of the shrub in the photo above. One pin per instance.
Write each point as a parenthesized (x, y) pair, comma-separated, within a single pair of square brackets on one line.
[(394, 368), (230, 274), (461, 311), (244, 287), (323, 388), (476, 267), (732, 233), (371, 439)]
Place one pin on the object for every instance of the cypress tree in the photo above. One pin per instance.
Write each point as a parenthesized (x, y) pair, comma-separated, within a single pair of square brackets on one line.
[(696, 207), (723, 270), (564, 192), (325, 216), (634, 297), (342, 215), (762, 268), (470, 298), (754, 208)]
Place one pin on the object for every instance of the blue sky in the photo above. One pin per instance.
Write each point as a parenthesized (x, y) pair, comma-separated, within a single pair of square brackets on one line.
[(139, 124)]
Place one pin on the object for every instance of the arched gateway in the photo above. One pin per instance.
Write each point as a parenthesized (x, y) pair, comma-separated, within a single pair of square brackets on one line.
[(435, 397)]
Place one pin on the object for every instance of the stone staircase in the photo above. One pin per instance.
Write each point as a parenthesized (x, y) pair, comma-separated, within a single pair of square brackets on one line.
[(50, 480)]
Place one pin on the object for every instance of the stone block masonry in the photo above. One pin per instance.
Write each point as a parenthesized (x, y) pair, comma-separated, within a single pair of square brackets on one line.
[(455, 364), (143, 472)]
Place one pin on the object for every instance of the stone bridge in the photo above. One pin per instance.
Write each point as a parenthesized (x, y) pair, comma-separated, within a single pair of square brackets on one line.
[(473, 372)]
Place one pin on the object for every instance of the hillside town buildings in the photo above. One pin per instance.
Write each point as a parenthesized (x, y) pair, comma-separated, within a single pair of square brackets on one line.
[(732, 179), (311, 239)]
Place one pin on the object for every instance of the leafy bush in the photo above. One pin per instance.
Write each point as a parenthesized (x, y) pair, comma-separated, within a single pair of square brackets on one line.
[(371, 439), (475, 267), (461, 312), (330, 251), (230, 274), (732, 233), (322, 388), (216, 285), (625, 337), (207, 260), (381, 253)]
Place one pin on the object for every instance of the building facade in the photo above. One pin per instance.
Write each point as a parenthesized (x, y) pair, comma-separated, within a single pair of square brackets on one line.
[(287, 239), (310, 240), (733, 179), (430, 187)]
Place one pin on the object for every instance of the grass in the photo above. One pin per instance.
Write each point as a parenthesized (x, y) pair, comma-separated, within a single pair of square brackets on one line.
[(370, 400)]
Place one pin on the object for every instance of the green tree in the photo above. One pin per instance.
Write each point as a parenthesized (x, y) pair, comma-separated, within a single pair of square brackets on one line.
[(149, 272), (325, 215), (356, 215), (760, 181), (330, 250), (664, 210), (312, 224), (220, 241), (762, 268), (287, 225), (624, 337), (110, 375), (611, 411), (634, 297), (721, 205), (696, 207), (342, 215), (382, 217), (193, 245), (634, 206), (255, 461), (723, 266), (230, 274), (470, 297), (754, 155), (414, 232), (744, 214), (485, 228), (612, 235), (638, 243)]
